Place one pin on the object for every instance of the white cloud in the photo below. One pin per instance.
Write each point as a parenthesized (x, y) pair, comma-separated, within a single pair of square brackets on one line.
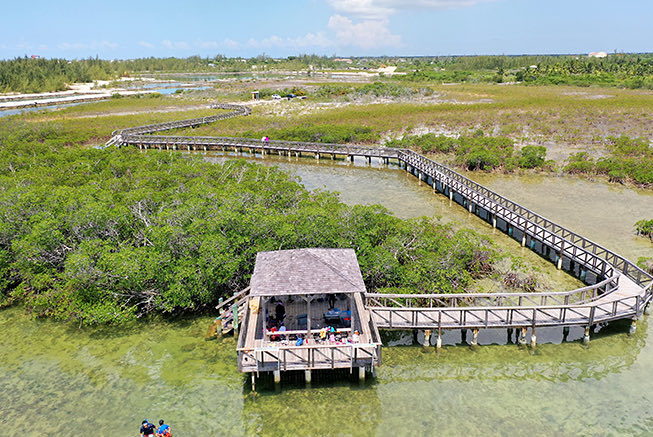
[(214, 45), (367, 34), (378, 9), (147, 45), (370, 25), (179, 45), (93, 45), (230, 43), (307, 41), (368, 9)]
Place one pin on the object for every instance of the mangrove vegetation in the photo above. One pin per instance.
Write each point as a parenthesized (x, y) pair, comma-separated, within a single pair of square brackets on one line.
[(105, 236)]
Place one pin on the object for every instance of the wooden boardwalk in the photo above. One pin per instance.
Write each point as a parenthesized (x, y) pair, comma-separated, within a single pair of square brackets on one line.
[(618, 289)]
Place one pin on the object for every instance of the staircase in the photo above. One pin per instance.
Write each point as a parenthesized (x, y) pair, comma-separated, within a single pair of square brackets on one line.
[(237, 302)]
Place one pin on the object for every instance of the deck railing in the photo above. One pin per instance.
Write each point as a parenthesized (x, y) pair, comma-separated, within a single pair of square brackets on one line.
[(305, 357), (521, 299), (470, 317)]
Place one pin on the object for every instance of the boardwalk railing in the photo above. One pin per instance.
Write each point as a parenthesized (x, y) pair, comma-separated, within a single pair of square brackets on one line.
[(287, 147), (584, 306), (307, 357), (625, 294), (506, 316), (234, 306), (453, 300), (568, 243)]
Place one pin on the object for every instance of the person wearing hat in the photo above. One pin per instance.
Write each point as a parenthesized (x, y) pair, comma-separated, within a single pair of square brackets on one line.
[(147, 428)]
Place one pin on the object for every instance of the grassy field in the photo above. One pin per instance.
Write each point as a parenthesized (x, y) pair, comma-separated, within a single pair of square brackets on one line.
[(565, 120)]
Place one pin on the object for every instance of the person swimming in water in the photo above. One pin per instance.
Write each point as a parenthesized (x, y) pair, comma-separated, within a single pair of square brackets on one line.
[(163, 430), (147, 428)]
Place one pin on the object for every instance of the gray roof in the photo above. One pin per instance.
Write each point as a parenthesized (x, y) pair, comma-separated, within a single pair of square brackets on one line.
[(306, 271)]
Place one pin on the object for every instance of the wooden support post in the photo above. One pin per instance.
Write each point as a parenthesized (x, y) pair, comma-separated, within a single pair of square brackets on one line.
[(317, 156), (471, 206), (438, 342), (333, 156), (633, 327), (450, 193), (523, 239), (234, 312), (307, 376), (427, 338), (205, 148), (308, 318), (586, 337), (533, 338), (475, 338), (277, 377), (562, 248), (494, 221), (352, 303), (509, 335), (369, 159), (361, 373), (253, 381)]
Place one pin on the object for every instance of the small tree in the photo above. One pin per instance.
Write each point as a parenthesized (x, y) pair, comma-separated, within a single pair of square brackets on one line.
[(532, 156)]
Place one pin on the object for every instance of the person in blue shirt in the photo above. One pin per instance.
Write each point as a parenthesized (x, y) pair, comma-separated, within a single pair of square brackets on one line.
[(164, 429)]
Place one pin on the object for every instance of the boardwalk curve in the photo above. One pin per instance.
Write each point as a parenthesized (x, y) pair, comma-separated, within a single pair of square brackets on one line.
[(617, 288)]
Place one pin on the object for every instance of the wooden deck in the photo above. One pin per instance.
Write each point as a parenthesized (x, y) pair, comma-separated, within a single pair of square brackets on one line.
[(618, 288), (257, 352)]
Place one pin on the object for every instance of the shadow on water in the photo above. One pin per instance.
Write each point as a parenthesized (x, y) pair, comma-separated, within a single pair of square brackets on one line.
[(295, 380), (610, 350), (335, 404)]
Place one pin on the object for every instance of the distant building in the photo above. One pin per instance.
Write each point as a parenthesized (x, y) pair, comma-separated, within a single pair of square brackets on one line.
[(597, 55), (345, 60)]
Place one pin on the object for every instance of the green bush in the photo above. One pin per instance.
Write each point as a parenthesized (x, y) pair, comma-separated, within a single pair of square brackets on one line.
[(532, 156), (630, 159), (319, 134), (645, 228)]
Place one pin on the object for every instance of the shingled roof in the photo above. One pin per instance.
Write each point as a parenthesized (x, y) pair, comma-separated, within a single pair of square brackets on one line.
[(306, 271)]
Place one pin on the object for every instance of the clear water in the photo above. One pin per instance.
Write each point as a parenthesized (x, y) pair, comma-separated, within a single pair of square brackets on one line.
[(57, 379), (152, 87)]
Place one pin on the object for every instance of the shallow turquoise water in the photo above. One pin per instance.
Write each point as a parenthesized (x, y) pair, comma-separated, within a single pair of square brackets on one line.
[(56, 379), (60, 380)]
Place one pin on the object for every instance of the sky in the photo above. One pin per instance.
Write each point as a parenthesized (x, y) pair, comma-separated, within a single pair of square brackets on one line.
[(121, 29)]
